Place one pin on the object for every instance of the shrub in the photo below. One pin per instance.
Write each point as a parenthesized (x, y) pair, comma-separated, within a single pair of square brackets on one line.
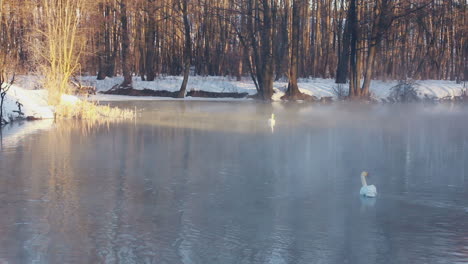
[(340, 91), (404, 92)]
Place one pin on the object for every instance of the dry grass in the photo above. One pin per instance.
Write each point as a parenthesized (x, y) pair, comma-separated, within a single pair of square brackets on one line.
[(56, 85), (85, 110)]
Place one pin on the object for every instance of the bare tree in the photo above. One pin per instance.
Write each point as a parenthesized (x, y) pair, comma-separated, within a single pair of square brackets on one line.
[(58, 54)]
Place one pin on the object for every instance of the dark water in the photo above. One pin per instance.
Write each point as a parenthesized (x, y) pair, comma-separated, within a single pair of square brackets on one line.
[(201, 182)]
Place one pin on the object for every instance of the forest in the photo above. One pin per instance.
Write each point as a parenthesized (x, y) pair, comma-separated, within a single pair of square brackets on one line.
[(350, 41)]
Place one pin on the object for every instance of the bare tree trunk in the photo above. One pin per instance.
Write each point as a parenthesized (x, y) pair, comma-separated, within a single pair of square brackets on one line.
[(464, 60), (382, 21), (343, 59), (150, 39), (293, 89), (372, 48), (354, 56), (101, 54), (187, 48), (106, 54), (267, 52), (125, 46), (240, 62), (114, 50), (369, 68), (282, 49)]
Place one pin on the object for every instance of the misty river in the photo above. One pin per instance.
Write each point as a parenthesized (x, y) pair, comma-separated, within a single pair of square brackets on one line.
[(211, 182)]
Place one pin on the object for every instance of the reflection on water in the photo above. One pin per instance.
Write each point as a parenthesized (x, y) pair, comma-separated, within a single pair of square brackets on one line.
[(209, 183), (12, 133)]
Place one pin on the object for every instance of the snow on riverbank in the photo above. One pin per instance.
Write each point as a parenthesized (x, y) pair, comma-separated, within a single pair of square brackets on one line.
[(34, 103), (317, 87)]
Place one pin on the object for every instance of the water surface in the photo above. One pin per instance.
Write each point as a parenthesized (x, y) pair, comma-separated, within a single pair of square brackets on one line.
[(210, 182)]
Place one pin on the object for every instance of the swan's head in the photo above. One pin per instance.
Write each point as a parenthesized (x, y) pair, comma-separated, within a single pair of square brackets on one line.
[(364, 174)]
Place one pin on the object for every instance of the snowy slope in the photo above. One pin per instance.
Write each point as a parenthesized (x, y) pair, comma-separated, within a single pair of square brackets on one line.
[(34, 103)]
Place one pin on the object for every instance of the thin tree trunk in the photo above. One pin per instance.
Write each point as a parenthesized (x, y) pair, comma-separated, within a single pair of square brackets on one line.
[(368, 71), (187, 49), (382, 21), (101, 54), (150, 39), (267, 70), (240, 62), (354, 53), (343, 59)]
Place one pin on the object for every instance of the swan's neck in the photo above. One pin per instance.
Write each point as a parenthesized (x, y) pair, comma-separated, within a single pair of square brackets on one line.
[(363, 180)]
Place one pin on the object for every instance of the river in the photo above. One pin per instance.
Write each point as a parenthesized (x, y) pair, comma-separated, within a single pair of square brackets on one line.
[(211, 182)]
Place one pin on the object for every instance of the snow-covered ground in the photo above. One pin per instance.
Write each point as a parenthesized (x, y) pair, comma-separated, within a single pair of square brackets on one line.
[(35, 101), (317, 87)]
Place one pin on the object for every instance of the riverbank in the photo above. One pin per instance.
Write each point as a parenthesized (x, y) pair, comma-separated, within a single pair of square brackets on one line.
[(24, 103), (34, 101), (319, 88)]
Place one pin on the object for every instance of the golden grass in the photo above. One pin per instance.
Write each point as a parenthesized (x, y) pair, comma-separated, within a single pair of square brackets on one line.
[(85, 110), (56, 86)]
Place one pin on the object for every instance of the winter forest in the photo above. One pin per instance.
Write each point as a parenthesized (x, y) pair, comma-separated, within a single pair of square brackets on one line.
[(351, 41)]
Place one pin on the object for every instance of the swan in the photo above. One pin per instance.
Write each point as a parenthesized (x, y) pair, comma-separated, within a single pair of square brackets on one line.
[(367, 190), (272, 122)]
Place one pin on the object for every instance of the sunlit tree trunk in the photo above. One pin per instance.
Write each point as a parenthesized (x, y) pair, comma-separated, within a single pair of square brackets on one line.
[(381, 22), (187, 47), (293, 89), (127, 74)]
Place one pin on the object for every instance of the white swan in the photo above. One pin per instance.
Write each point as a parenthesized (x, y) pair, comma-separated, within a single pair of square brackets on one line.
[(272, 122), (367, 190)]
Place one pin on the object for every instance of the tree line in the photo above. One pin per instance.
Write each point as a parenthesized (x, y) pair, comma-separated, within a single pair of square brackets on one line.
[(352, 41)]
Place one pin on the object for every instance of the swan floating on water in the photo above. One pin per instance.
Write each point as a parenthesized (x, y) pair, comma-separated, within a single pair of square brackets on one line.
[(272, 122), (367, 190)]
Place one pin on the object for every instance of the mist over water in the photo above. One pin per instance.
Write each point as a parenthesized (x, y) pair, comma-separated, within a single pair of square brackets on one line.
[(211, 182)]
